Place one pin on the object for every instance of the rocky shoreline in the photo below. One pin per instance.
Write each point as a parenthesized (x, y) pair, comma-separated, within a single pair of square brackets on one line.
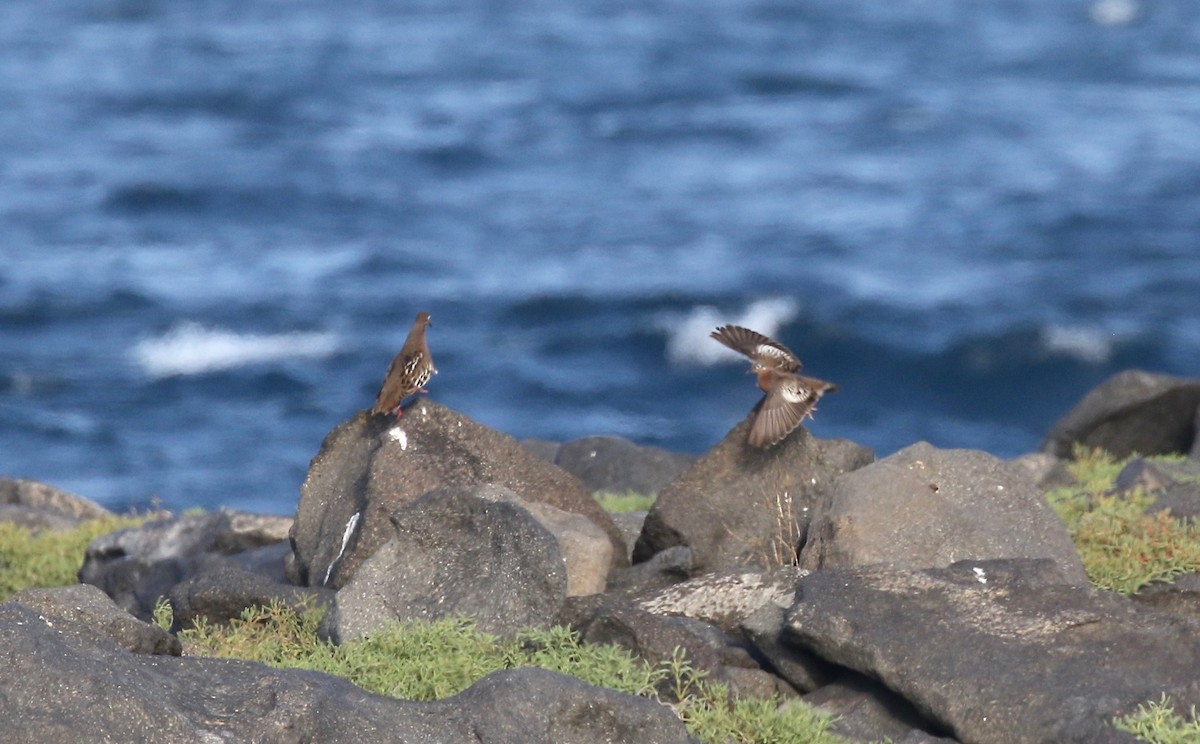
[(930, 596)]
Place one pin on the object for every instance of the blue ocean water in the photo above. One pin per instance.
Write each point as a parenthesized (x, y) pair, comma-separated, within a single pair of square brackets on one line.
[(217, 221)]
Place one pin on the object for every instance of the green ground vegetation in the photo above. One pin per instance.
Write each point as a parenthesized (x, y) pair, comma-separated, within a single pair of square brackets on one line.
[(46, 558), (629, 501), (1159, 723), (432, 660), (1125, 544)]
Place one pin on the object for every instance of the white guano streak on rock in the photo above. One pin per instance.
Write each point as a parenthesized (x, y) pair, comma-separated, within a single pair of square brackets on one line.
[(350, 525), (399, 435), (980, 575)]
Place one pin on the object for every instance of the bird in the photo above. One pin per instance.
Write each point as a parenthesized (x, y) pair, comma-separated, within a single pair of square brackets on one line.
[(790, 397), (409, 372)]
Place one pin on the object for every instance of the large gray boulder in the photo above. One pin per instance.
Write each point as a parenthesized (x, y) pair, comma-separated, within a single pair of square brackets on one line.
[(1131, 412), (740, 506), (65, 679), (453, 553), (925, 507), (370, 466), (1000, 652)]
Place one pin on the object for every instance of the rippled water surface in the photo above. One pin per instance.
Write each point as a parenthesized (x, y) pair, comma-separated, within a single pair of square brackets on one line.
[(218, 220)]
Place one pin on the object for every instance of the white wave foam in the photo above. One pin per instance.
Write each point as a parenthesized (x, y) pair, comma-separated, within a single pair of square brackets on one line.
[(190, 348), (1090, 345), (688, 341), (1114, 12)]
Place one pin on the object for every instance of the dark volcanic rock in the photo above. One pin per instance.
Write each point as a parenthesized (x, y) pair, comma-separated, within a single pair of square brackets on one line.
[(542, 448), (630, 525), (803, 669), (219, 589), (1000, 652), (138, 565), (1045, 470), (1180, 596), (268, 560), (586, 549), (925, 507), (1175, 486), (64, 681), (452, 553), (89, 616), (616, 464), (740, 506), (1131, 412), (665, 569), (542, 707), (614, 620), (866, 710), (370, 466)]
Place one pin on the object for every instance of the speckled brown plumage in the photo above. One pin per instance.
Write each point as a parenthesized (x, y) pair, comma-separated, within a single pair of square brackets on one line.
[(409, 372), (764, 353), (789, 396)]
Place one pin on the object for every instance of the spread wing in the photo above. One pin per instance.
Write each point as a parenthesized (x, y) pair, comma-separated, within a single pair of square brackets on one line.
[(785, 406), (758, 347)]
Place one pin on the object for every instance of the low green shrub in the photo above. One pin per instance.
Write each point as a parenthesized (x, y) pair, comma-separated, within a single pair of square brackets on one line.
[(1123, 547), (432, 660), (1158, 723), (629, 501), (46, 558)]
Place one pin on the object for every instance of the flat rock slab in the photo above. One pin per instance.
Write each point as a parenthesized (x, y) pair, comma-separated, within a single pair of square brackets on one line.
[(1000, 652)]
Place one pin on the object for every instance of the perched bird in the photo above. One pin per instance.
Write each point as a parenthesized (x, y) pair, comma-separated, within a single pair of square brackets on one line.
[(789, 396), (409, 371)]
